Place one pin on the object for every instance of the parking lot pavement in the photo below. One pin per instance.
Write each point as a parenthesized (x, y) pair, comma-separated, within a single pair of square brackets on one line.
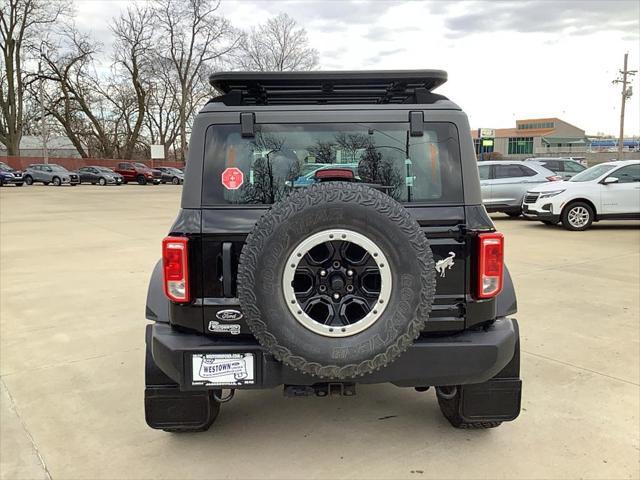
[(74, 269)]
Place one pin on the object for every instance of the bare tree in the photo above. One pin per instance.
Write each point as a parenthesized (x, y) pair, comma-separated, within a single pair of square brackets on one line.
[(194, 39), (324, 152), (162, 119), (72, 98), (277, 45), (21, 25), (133, 32)]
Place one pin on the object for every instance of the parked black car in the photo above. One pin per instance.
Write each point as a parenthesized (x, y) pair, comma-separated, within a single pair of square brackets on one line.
[(395, 274), (171, 175), (10, 176), (99, 175)]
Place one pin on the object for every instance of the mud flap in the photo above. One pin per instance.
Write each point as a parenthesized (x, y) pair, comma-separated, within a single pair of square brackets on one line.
[(166, 407), (497, 400)]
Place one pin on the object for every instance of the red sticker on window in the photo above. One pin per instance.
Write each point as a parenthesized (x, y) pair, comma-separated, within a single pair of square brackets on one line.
[(232, 178)]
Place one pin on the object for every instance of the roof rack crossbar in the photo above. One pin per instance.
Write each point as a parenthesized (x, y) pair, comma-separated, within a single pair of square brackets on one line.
[(374, 87)]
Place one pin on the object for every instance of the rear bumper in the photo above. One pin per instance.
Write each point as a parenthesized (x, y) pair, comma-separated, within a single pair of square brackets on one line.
[(472, 356)]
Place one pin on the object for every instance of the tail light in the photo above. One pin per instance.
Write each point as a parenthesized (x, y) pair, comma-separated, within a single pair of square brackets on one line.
[(554, 178), (175, 266), (490, 264)]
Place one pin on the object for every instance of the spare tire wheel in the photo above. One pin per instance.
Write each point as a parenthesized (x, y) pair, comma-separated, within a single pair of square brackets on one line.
[(336, 280)]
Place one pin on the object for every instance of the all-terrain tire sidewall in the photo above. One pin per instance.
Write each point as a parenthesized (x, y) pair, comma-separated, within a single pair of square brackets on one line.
[(336, 206)]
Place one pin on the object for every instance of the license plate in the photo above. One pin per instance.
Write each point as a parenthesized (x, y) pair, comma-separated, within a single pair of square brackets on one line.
[(223, 369)]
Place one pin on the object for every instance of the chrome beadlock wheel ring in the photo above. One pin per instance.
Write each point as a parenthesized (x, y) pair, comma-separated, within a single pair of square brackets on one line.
[(337, 283)]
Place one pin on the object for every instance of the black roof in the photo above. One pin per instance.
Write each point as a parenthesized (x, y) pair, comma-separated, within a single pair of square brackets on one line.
[(335, 87)]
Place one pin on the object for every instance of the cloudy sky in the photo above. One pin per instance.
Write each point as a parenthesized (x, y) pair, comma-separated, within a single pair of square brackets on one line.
[(506, 60)]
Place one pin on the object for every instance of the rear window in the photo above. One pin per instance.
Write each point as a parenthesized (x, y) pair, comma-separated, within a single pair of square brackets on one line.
[(284, 157)]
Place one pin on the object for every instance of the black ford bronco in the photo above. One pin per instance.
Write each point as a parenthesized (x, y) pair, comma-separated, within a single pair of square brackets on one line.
[(331, 233)]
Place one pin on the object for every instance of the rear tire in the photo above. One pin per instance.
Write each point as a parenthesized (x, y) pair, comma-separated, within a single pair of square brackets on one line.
[(449, 402), (141, 180), (175, 180), (577, 216)]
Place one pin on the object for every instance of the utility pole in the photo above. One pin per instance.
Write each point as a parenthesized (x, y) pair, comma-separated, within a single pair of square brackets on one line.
[(626, 94), (43, 126)]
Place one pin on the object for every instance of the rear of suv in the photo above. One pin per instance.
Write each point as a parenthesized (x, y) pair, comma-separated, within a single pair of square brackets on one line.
[(381, 267)]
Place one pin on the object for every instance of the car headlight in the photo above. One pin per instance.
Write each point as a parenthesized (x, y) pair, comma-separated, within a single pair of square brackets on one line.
[(553, 193)]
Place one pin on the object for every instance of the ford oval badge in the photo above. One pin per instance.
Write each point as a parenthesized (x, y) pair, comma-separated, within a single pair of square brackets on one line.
[(229, 315)]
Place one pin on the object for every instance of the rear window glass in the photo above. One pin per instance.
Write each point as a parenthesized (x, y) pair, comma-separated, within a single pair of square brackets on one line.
[(284, 157)]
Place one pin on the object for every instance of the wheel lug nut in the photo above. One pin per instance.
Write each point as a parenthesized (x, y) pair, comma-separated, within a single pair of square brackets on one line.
[(350, 273), (336, 296), (323, 273)]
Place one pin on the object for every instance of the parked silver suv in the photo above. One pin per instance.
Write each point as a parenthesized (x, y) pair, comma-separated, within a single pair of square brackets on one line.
[(564, 167), (50, 173), (505, 182)]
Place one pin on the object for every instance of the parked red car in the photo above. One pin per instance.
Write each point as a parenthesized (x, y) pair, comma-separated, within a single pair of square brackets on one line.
[(138, 172)]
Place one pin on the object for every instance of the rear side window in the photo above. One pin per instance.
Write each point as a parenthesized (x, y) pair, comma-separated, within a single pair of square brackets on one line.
[(284, 157), (553, 165), (513, 171), (573, 167), (484, 170)]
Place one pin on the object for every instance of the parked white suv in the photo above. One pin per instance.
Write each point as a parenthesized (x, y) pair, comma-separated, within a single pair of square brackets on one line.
[(608, 191)]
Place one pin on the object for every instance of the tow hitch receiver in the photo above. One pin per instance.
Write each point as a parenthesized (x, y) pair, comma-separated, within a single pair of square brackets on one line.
[(320, 390)]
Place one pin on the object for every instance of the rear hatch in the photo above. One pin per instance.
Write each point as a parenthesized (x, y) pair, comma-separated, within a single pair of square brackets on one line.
[(242, 176)]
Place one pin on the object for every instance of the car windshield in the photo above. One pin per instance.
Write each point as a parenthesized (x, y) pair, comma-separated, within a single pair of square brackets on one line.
[(58, 168), (140, 165), (5, 168), (284, 157), (105, 170), (592, 173)]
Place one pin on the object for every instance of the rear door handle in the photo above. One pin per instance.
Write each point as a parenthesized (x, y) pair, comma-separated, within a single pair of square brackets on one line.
[(227, 278)]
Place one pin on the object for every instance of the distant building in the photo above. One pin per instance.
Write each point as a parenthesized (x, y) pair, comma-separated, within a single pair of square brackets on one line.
[(534, 137), (31, 146)]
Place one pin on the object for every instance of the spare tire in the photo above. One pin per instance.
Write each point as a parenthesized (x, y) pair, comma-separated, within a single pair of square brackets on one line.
[(336, 280)]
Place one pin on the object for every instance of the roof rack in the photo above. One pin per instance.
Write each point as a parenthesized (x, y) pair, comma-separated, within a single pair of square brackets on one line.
[(335, 87)]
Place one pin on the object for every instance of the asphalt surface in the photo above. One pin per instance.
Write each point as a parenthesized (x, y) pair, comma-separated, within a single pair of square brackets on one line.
[(74, 268)]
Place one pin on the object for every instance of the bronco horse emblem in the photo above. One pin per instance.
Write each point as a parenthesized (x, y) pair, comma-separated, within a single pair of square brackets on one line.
[(444, 264)]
